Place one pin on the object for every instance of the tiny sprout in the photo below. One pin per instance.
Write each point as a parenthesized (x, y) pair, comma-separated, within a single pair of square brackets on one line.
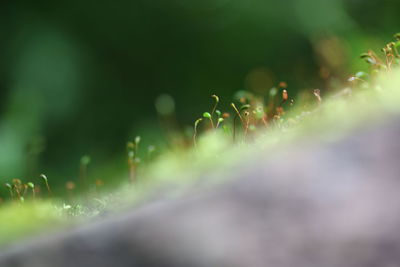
[(137, 140), (32, 186), (247, 115), (216, 98), (10, 189), (237, 112), (397, 36), (132, 150), (46, 181), (44, 177), (218, 113), (216, 103), (207, 115), (220, 120), (196, 123)]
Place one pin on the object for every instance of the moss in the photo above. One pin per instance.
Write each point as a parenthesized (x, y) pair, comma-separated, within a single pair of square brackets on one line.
[(215, 153), (20, 221)]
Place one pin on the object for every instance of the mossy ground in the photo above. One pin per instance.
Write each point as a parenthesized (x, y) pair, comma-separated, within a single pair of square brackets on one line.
[(215, 153)]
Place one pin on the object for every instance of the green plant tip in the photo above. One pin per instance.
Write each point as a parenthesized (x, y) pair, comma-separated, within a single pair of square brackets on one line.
[(31, 185), (137, 140), (220, 120), (197, 122), (216, 98), (207, 115), (44, 177)]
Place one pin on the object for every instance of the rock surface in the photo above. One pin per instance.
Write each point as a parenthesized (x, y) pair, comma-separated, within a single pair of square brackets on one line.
[(317, 204)]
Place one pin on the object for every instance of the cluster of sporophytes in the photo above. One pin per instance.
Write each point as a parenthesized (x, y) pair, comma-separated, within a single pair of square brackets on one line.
[(249, 113), (247, 116), (20, 191), (378, 64), (252, 112)]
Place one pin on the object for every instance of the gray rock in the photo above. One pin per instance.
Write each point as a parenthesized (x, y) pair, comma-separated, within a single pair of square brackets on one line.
[(317, 204)]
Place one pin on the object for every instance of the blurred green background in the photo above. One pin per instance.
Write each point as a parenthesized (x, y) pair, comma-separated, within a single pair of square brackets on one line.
[(81, 77)]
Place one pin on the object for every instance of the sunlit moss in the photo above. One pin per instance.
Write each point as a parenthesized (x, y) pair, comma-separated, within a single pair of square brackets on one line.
[(19, 221)]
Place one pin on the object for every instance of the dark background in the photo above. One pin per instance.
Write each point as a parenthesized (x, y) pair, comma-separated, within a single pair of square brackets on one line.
[(81, 77)]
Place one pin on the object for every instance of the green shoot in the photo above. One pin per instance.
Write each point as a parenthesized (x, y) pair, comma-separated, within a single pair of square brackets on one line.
[(216, 103), (9, 187), (133, 160), (220, 120), (237, 112), (17, 185), (209, 116), (247, 115), (137, 141), (150, 151), (196, 123), (46, 181), (32, 186)]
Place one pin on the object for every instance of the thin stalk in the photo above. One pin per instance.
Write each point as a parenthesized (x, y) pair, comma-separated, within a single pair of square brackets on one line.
[(196, 123)]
